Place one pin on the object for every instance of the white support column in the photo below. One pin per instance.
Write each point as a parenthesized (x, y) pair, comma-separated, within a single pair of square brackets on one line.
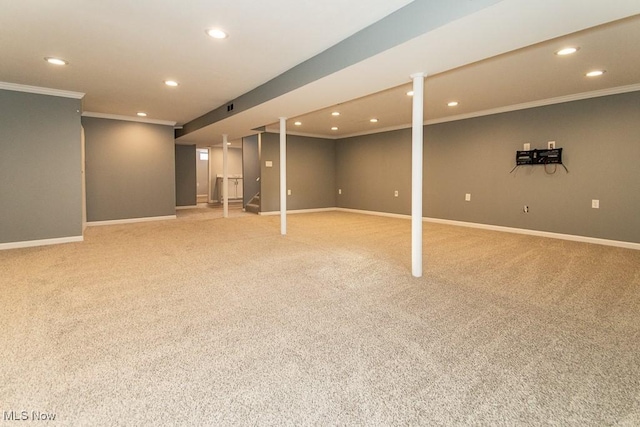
[(416, 174), (225, 177), (283, 176)]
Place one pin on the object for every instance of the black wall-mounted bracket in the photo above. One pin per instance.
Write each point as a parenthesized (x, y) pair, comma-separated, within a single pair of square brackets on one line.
[(551, 156)]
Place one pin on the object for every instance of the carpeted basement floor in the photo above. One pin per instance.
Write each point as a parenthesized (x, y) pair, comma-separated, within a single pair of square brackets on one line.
[(211, 321)]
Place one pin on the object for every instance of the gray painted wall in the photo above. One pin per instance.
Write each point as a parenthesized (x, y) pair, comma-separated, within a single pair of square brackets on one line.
[(185, 175), (369, 169), (311, 166), (601, 142), (250, 167), (40, 167), (130, 169)]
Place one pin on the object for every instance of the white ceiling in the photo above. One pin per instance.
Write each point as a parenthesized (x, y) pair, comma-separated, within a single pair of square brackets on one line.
[(525, 77), (120, 51)]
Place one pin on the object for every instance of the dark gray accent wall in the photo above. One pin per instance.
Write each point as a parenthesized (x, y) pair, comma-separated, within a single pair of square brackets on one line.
[(600, 138), (130, 169), (250, 167), (310, 172), (40, 167), (185, 175)]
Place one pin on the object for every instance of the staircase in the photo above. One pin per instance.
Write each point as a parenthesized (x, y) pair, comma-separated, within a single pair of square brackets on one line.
[(254, 204)]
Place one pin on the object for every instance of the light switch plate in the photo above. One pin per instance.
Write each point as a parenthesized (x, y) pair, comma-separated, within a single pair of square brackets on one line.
[(467, 197), (268, 164), (527, 146)]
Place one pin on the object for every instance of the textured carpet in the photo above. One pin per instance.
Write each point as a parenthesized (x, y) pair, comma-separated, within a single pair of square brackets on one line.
[(211, 321)]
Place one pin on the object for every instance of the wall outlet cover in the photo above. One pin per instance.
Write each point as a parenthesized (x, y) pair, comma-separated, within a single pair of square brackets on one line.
[(595, 204), (268, 164), (527, 146), (551, 145), (467, 197)]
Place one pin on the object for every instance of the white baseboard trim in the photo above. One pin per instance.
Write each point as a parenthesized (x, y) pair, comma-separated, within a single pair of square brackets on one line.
[(130, 220), (186, 207), (548, 234), (375, 213), (42, 242), (298, 211)]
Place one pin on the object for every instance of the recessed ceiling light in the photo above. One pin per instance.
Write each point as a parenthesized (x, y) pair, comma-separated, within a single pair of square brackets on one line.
[(335, 113), (595, 73), (171, 83), (217, 33), (567, 51), (453, 104), (410, 93), (374, 120), (141, 114), (298, 123), (56, 61), (334, 128)]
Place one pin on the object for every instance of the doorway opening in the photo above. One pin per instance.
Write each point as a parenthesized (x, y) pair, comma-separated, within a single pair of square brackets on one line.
[(202, 175), (234, 174)]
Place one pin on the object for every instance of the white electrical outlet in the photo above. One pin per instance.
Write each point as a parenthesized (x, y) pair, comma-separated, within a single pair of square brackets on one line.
[(339, 190), (268, 164), (395, 193), (527, 146), (467, 197), (551, 145), (595, 204), (525, 209), (288, 192)]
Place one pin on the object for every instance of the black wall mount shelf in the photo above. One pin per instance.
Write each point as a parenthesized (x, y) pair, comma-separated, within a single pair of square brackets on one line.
[(552, 156)]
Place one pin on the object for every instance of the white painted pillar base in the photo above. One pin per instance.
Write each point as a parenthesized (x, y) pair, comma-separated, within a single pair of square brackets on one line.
[(283, 176), (225, 177), (416, 173)]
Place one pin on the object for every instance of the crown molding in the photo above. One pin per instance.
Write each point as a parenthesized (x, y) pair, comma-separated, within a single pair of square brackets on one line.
[(41, 90), (540, 103), (526, 105), (269, 129), (128, 118), (378, 130)]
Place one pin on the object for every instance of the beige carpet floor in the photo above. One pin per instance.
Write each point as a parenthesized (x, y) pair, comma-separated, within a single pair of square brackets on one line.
[(211, 321)]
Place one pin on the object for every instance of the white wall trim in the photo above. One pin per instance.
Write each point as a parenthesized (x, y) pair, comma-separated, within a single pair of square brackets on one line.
[(41, 90), (276, 131), (178, 208), (505, 109), (375, 213), (130, 220), (548, 234), (539, 103), (128, 118), (298, 211), (42, 242)]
